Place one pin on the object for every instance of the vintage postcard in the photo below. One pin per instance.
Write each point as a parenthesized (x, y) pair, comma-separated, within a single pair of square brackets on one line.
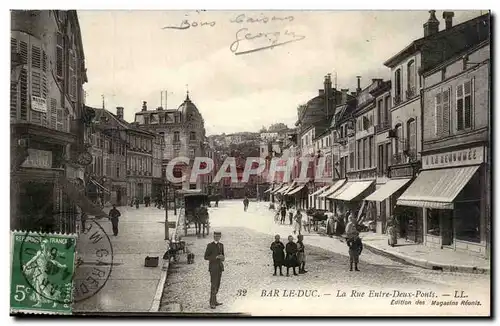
[(298, 163)]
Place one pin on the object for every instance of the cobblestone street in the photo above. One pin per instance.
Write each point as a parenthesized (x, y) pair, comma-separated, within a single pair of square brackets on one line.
[(247, 280)]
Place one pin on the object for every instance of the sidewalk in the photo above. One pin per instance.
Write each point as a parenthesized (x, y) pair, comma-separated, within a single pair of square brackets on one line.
[(131, 287), (415, 254), (426, 257)]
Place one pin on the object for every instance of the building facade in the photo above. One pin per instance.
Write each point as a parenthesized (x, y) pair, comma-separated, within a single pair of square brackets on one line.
[(453, 190), (183, 131), (49, 124)]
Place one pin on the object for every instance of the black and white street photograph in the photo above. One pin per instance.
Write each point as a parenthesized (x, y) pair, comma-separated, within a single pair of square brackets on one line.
[(245, 163)]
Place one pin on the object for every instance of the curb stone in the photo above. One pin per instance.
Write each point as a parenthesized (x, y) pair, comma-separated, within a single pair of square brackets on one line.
[(425, 263), (155, 306)]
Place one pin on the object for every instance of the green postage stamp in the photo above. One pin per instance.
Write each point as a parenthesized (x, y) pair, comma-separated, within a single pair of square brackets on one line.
[(42, 268)]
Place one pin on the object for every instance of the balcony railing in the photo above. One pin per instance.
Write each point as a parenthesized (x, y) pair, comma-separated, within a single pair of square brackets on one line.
[(410, 93), (397, 99), (383, 126)]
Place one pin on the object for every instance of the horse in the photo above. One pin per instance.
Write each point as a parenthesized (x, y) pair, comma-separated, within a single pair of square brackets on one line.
[(201, 219)]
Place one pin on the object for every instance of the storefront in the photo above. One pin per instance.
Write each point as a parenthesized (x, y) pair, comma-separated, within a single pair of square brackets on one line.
[(451, 193), (317, 201), (327, 203), (387, 193), (350, 196)]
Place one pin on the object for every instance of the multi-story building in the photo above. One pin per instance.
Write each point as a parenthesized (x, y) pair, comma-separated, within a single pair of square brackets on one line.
[(106, 176), (454, 187), (406, 117), (49, 124), (183, 131)]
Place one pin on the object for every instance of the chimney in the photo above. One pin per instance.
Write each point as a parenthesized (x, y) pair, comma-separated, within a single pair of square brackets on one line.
[(144, 106), (358, 90), (448, 18), (345, 92), (432, 25), (119, 112), (159, 108)]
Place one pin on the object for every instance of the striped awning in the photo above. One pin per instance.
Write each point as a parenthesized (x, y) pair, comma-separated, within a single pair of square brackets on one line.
[(79, 198), (351, 190), (320, 190), (437, 189), (333, 188), (277, 188), (295, 190), (386, 190), (282, 190), (270, 189)]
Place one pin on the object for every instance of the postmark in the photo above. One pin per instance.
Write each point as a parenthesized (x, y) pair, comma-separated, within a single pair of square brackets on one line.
[(42, 272)]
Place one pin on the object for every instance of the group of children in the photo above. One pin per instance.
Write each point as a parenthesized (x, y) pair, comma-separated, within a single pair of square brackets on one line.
[(293, 254)]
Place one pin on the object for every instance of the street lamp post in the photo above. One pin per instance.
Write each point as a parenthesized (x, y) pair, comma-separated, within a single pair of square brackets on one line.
[(167, 235)]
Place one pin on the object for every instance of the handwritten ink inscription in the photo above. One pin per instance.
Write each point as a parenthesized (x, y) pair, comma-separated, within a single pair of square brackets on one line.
[(266, 40), (185, 24), (242, 18)]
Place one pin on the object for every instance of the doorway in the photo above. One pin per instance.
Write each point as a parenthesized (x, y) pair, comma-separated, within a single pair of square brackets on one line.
[(447, 227), (119, 197), (35, 206), (140, 192)]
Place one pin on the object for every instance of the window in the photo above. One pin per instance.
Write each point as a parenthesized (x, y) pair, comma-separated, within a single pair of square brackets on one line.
[(388, 148), (464, 105), (72, 75), (433, 222), (351, 155), (411, 79), (397, 84), (442, 112), (365, 153), (398, 139), (370, 151), (360, 158), (380, 165), (146, 120), (192, 135), (387, 108), (176, 137), (411, 130), (380, 112), (191, 153)]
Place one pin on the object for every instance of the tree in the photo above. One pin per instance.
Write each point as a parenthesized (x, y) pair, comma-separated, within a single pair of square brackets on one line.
[(277, 127), (263, 129)]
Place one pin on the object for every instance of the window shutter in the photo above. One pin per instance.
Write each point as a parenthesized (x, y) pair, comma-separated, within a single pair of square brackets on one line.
[(72, 73), (59, 119), (53, 113), (59, 55), (446, 112), (439, 115), (460, 107), (468, 103), (14, 91)]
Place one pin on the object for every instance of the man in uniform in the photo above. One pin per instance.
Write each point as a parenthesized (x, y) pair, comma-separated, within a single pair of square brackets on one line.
[(114, 215), (215, 256)]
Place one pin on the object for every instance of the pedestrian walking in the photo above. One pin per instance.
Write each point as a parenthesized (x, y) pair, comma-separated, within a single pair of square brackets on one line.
[(355, 248), (215, 256), (291, 256), (283, 213), (297, 227), (391, 230), (83, 218), (301, 254), (245, 203), (114, 215), (278, 254), (147, 200), (137, 203)]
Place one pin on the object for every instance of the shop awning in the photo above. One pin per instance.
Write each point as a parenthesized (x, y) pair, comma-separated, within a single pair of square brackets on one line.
[(351, 190), (268, 190), (320, 190), (386, 190), (333, 188), (437, 188), (79, 198), (296, 190), (276, 188), (282, 190), (100, 186)]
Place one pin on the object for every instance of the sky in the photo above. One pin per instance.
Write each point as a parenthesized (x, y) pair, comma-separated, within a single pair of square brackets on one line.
[(134, 56)]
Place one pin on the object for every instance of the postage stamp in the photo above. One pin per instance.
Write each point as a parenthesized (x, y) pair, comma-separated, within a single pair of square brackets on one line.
[(42, 272)]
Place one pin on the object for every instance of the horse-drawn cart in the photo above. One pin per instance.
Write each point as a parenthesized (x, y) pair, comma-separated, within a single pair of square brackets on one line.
[(195, 210)]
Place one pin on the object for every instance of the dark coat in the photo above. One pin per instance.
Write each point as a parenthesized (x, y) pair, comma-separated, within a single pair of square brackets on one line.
[(291, 255), (214, 264), (355, 246), (114, 214), (278, 253)]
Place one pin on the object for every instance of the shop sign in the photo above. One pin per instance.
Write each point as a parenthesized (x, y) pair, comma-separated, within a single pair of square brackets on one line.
[(38, 104), (38, 159), (468, 156)]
